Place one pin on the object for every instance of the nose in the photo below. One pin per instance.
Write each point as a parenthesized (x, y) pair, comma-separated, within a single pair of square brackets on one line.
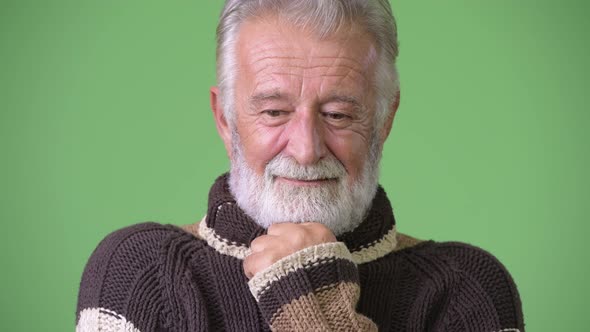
[(306, 140)]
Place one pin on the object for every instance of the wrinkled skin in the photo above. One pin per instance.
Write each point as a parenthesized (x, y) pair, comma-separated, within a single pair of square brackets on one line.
[(305, 98)]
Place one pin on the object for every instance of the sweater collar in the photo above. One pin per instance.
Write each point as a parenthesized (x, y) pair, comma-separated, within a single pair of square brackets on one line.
[(230, 231)]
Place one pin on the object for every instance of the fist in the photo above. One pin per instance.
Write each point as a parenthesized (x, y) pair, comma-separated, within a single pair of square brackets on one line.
[(282, 240)]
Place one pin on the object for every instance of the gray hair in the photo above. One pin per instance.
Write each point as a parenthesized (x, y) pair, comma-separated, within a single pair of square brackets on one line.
[(324, 17)]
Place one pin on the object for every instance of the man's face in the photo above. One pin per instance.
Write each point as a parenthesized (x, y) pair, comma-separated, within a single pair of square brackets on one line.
[(302, 97), (304, 111)]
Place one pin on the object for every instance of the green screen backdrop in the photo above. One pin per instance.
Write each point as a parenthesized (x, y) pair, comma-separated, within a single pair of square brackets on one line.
[(105, 122)]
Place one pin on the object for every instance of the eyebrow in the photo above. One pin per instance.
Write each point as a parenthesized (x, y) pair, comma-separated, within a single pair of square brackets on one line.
[(261, 97), (344, 99), (276, 95)]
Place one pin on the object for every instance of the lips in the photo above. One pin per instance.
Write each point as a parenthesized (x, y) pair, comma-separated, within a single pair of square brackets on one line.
[(305, 182)]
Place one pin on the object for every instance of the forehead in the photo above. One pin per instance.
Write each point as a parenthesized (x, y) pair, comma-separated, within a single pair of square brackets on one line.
[(272, 54)]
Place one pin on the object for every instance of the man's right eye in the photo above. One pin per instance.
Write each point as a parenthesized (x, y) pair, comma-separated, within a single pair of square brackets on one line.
[(274, 113)]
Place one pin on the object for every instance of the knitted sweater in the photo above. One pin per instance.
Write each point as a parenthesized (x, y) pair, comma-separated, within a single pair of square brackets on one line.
[(153, 277)]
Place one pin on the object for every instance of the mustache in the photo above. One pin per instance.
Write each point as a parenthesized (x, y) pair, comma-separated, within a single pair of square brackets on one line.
[(326, 168)]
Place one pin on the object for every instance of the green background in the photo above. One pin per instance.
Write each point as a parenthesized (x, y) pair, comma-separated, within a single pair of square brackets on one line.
[(104, 122)]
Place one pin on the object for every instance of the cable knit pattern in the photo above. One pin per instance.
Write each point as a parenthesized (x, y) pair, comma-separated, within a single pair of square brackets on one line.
[(153, 277)]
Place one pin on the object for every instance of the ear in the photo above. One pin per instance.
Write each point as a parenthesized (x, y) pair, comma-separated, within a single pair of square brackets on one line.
[(389, 120), (223, 128)]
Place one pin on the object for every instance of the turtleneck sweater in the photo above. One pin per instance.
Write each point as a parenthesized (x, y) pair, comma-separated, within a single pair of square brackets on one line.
[(154, 277)]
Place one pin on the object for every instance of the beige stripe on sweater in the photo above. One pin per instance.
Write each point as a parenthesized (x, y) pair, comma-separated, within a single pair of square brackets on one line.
[(331, 308)]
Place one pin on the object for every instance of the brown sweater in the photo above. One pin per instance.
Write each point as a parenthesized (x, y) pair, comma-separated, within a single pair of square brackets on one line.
[(152, 277)]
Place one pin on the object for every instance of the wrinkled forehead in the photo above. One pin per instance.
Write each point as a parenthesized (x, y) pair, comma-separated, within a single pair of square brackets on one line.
[(269, 47), (272, 33)]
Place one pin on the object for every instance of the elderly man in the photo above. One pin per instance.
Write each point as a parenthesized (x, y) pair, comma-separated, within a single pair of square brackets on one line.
[(298, 236)]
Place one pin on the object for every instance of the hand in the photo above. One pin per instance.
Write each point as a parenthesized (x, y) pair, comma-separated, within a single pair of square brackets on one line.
[(282, 240)]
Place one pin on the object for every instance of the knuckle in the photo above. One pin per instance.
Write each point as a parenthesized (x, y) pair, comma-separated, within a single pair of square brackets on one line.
[(326, 234), (258, 243), (274, 228), (298, 236)]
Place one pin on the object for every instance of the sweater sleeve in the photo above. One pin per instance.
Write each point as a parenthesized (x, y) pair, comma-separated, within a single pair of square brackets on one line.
[(119, 290), (314, 289), (484, 296)]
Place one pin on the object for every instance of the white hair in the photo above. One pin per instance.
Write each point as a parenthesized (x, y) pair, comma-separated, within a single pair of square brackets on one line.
[(324, 17)]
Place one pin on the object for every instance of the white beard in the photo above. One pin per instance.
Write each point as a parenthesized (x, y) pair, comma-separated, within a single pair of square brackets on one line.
[(337, 204)]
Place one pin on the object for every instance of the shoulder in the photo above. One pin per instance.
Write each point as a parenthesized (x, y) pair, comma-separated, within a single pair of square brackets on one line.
[(121, 270), (474, 261), (459, 256), (476, 276), (138, 243), (141, 234), (452, 258)]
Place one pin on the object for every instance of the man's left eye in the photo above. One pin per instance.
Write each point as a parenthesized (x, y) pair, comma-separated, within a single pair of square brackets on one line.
[(335, 116)]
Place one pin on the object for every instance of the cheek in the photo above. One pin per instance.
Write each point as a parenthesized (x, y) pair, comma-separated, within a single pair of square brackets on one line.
[(351, 150), (260, 145)]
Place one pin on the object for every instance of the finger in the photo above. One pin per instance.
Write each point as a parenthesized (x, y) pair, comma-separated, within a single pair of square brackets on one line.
[(247, 265), (320, 231), (310, 224), (261, 243), (257, 262), (283, 228)]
